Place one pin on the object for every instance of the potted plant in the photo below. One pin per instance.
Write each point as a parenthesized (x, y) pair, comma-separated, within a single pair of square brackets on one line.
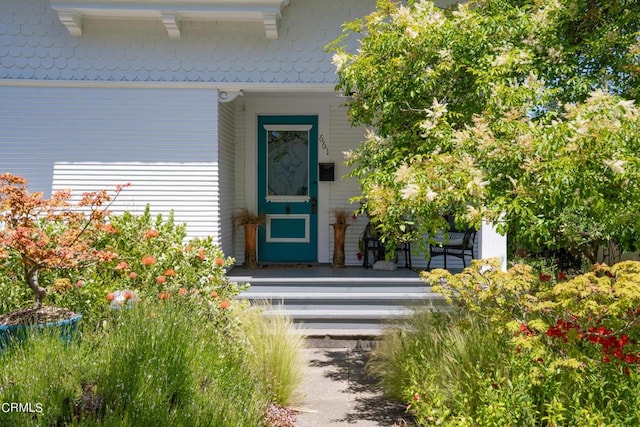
[(37, 235), (339, 231), (250, 221)]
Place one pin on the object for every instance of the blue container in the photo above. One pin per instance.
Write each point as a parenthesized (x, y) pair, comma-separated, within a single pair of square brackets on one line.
[(11, 334)]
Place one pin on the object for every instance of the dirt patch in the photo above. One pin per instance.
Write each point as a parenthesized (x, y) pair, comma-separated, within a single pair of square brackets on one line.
[(44, 314)]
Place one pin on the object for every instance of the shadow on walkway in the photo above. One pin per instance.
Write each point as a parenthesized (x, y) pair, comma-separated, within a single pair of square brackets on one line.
[(345, 370)]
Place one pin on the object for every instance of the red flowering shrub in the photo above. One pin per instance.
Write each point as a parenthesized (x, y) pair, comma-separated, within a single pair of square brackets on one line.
[(558, 333), (138, 252), (155, 256), (591, 318)]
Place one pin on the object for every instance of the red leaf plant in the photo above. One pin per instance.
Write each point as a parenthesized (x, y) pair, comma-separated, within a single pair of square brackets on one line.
[(51, 233)]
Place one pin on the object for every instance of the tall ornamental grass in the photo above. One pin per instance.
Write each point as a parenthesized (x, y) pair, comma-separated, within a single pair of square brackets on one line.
[(440, 364), (275, 348)]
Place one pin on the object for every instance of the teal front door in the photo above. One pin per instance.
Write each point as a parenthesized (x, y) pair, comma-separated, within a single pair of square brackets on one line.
[(288, 188)]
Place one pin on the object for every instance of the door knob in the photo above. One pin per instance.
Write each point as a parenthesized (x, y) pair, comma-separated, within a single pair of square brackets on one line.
[(314, 205)]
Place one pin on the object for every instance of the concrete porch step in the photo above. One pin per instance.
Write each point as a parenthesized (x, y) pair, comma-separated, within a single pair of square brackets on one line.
[(335, 289), (352, 302), (322, 311), (374, 314), (321, 294), (332, 280), (341, 329)]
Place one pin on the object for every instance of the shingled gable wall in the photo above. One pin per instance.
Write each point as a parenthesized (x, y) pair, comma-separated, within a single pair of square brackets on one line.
[(35, 45)]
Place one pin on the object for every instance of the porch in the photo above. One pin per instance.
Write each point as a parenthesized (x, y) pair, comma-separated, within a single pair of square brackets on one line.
[(325, 301)]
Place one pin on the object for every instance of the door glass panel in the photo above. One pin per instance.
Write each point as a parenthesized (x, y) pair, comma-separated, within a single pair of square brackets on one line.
[(288, 162)]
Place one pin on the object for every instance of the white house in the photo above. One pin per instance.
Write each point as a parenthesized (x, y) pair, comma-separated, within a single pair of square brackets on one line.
[(205, 106)]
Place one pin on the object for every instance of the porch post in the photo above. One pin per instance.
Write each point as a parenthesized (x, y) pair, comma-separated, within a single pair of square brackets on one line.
[(491, 244)]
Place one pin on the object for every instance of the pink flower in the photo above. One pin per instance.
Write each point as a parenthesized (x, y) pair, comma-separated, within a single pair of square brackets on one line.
[(148, 260), (122, 266), (151, 233)]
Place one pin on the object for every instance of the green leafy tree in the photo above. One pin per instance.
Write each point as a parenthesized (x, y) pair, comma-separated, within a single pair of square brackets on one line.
[(521, 112)]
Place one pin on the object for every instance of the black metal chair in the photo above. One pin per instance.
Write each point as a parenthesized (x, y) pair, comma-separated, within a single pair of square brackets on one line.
[(460, 244), (371, 244)]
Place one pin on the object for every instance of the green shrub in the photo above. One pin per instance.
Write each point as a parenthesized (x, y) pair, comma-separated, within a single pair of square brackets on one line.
[(522, 349), (154, 256), (155, 260)]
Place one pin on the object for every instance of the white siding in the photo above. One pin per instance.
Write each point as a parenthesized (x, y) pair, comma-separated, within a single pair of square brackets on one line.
[(226, 150), (344, 137), (241, 199), (163, 141)]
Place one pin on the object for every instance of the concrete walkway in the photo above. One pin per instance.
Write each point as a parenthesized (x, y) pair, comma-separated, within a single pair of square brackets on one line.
[(337, 391)]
